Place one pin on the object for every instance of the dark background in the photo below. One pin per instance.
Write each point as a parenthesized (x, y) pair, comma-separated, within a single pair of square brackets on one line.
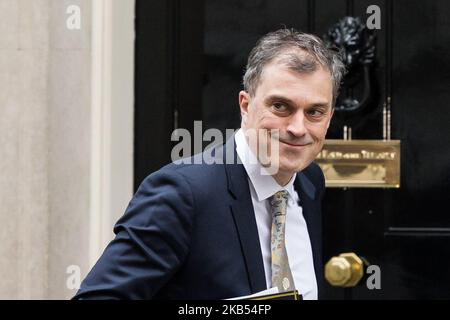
[(190, 58)]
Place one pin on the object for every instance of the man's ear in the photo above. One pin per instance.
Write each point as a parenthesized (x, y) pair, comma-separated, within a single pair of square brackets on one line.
[(244, 100), (331, 117)]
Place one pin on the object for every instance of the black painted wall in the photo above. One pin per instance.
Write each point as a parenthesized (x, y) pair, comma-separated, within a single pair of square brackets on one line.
[(190, 57)]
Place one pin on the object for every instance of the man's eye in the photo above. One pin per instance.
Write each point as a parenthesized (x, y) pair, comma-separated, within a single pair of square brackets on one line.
[(315, 113), (279, 106)]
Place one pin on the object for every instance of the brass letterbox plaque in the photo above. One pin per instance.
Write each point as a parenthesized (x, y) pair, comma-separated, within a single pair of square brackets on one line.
[(361, 163)]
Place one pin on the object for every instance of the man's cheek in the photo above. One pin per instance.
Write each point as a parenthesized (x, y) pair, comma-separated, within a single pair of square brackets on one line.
[(270, 121)]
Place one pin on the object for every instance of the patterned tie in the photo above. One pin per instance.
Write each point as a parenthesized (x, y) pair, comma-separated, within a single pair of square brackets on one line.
[(281, 272)]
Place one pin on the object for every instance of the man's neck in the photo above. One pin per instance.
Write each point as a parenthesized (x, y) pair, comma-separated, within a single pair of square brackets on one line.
[(282, 178)]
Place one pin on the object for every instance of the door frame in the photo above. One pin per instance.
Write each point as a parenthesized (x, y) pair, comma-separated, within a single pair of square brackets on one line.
[(112, 103)]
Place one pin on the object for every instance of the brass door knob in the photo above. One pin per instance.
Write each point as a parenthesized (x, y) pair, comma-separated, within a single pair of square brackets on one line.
[(346, 270)]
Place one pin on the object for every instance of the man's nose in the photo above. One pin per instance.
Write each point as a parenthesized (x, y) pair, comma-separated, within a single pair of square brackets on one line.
[(296, 124)]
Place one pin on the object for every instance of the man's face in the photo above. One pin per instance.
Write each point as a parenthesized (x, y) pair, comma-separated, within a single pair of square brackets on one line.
[(298, 104)]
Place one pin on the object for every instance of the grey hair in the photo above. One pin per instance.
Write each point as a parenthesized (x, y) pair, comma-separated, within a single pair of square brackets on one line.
[(285, 45)]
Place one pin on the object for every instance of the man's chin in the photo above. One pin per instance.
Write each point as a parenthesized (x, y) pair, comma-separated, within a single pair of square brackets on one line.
[(293, 167)]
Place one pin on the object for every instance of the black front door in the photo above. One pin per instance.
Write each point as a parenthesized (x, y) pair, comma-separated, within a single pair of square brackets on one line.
[(190, 57)]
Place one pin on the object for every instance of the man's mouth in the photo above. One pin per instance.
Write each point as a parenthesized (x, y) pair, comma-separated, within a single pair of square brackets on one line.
[(298, 145)]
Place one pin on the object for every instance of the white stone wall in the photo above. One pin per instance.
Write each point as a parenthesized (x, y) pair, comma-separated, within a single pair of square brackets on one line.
[(69, 125), (44, 147), (66, 156)]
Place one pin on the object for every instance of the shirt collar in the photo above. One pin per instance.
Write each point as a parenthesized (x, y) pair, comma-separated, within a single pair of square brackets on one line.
[(264, 184)]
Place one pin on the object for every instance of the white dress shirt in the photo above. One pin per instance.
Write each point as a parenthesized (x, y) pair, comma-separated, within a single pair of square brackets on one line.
[(298, 244)]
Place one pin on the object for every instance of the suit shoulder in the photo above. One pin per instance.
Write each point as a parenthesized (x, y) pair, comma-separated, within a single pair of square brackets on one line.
[(315, 175), (197, 174)]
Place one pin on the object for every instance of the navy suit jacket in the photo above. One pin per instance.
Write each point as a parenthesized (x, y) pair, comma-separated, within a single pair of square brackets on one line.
[(190, 233)]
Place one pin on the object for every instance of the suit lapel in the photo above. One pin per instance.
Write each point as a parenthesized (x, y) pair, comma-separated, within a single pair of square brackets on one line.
[(244, 218), (311, 212)]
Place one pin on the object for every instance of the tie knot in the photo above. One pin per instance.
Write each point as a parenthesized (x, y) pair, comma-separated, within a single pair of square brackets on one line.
[(279, 198)]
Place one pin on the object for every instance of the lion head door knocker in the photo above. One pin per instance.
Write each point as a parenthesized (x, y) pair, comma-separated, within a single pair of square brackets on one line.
[(357, 162), (357, 43)]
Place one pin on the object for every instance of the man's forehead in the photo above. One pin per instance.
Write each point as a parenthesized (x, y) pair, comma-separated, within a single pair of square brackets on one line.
[(281, 83), (296, 67), (278, 74)]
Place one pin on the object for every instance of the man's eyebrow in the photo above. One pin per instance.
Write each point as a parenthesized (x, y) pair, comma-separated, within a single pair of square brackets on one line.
[(279, 98), (286, 100), (320, 105)]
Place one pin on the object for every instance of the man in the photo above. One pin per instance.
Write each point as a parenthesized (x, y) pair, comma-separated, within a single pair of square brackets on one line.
[(216, 231)]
